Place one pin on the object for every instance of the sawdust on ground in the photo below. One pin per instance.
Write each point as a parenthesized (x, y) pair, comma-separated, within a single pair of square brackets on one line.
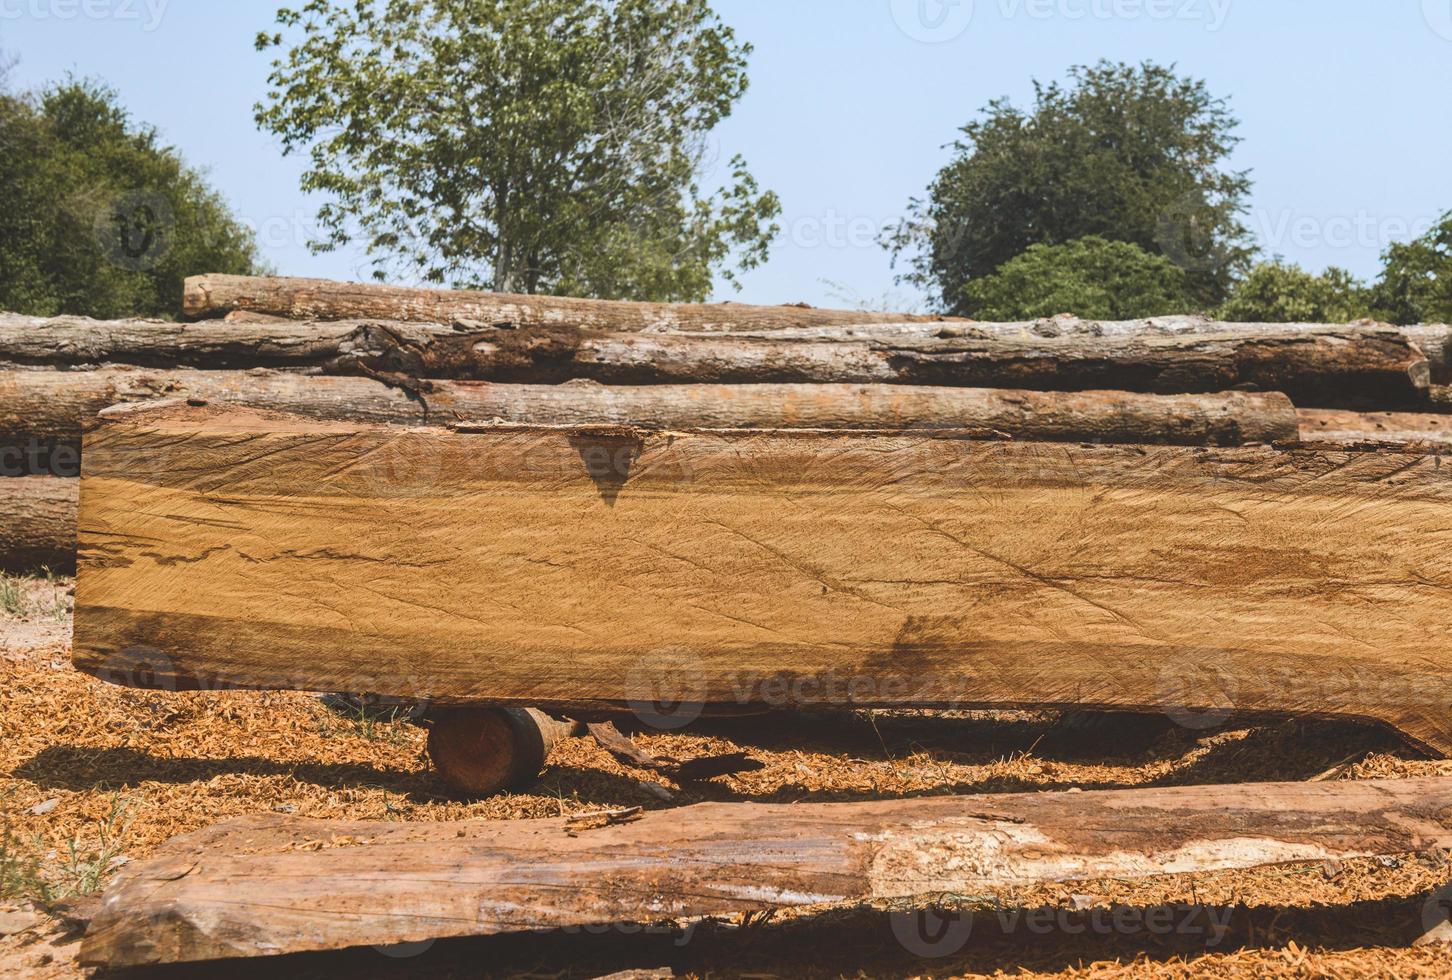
[(92, 776)]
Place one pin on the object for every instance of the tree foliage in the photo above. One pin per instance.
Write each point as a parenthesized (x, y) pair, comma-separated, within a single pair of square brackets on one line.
[(97, 217), (1278, 292), (1125, 153), (1091, 277), (1416, 279), (522, 145)]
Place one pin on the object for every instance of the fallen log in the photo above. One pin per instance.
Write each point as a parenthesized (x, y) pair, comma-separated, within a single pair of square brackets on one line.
[(321, 299), (50, 406), (549, 567), (268, 886), (1334, 367), (38, 524)]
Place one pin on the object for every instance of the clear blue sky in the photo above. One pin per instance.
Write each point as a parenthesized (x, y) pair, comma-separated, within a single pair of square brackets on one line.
[(1346, 109)]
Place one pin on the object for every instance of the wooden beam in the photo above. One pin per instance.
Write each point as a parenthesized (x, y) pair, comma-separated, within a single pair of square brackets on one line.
[(548, 567), (267, 886), (1334, 367), (305, 299), (51, 406), (38, 524)]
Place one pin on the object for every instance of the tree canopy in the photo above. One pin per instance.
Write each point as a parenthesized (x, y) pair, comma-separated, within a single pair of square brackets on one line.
[(97, 217), (522, 145), (1091, 277), (1126, 153), (1416, 279), (1277, 292)]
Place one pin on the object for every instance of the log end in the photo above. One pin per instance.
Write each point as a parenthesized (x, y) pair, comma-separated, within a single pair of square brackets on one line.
[(484, 751)]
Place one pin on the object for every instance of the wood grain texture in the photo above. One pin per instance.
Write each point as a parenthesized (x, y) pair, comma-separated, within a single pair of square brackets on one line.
[(51, 406), (38, 524), (303, 299), (266, 886), (779, 568)]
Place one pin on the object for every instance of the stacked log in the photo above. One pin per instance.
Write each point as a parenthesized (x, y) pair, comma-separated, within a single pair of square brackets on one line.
[(411, 357)]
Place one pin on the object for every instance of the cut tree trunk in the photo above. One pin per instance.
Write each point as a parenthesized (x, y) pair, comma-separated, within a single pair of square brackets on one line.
[(38, 524), (268, 886), (1353, 367), (785, 569), (320, 299), (483, 751), (50, 406)]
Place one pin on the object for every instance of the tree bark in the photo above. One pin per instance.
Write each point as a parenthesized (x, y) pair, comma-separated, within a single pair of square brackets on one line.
[(308, 299), (932, 570), (50, 406), (269, 885), (38, 524), (1339, 368)]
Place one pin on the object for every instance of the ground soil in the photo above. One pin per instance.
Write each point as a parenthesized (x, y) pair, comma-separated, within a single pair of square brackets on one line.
[(92, 776)]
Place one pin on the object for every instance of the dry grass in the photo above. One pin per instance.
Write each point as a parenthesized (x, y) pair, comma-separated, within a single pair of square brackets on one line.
[(128, 769)]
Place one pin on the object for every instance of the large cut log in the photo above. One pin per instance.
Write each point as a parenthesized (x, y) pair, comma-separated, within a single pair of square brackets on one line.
[(52, 401), (551, 567), (38, 524), (1334, 367), (267, 886), (321, 299), (51, 405)]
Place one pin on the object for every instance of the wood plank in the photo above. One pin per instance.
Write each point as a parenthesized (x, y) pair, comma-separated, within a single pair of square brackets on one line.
[(267, 886), (38, 524), (550, 567), (303, 299), (1348, 367), (51, 406)]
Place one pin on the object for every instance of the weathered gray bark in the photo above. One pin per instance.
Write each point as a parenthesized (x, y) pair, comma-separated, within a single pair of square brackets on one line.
[(1339, 368), (267, 886), (38, 523), (302, 299), (51, 405)]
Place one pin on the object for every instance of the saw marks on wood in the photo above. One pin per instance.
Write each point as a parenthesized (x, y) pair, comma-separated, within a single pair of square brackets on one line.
[(782, 568)]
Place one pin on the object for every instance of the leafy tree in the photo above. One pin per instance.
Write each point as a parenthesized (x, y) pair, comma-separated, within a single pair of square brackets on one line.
[(522, 145), (1127, 153), (1416, 279), (1277, 292), (1091, 277), (96, 216)]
